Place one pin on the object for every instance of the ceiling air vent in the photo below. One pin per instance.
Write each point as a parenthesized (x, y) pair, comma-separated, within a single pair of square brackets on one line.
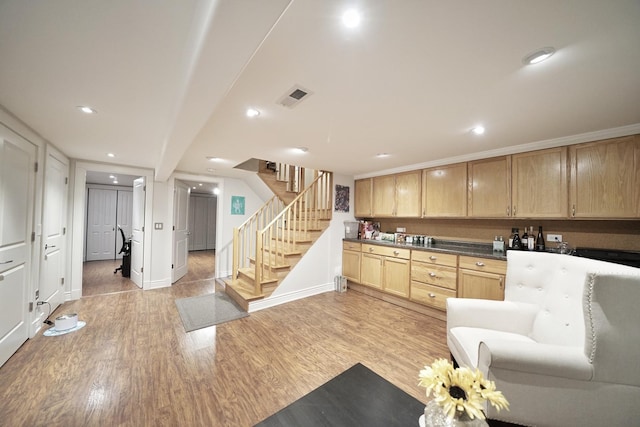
[(294, 96)]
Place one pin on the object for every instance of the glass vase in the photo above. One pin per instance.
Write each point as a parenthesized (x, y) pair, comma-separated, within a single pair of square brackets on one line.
[(434, 416)]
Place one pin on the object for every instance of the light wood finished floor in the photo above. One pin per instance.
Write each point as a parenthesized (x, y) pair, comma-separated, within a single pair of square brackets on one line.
[(98, 277), (133, 364)]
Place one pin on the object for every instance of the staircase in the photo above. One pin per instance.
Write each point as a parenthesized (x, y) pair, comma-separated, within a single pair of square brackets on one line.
[(270, 243)]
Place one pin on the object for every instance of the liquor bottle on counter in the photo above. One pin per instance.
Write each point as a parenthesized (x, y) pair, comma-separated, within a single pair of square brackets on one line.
[(517, 243), (531, 244), (525, 239), (540, 240)]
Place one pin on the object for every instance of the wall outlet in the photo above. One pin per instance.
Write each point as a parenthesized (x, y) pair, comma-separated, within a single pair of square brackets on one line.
[(401, 230), (554, 238)]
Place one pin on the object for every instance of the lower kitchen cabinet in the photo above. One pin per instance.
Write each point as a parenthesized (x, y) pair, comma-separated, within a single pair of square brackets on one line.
[(481, 278), (385, 268), (351, 256), (371, 270), (433, 278), (396, 276)]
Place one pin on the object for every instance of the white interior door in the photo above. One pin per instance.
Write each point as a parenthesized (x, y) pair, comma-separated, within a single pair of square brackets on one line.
[(180, 230), (211, 222), (124, 216), (17, 186), (137, 232), (101, 224), (54, 224), (199, 230)]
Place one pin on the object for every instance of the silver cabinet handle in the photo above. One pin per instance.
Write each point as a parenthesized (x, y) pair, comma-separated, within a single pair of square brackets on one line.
[(433, 258), (480, 264), (432, 295), (47, 246), (432, 274), (514, 210), (7, 262), (396, 252), (370, 249)]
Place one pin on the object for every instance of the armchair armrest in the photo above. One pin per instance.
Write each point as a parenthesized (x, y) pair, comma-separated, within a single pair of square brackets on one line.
[(536, 358), (506, 316)]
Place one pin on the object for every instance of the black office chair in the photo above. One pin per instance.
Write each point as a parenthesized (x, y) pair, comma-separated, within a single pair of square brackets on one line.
[(125, 250)]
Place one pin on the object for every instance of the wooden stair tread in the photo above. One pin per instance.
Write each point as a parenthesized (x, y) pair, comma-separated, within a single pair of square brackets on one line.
[(273, 264), (250, 273)]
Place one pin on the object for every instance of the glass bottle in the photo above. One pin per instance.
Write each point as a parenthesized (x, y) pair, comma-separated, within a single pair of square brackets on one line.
[(540, 240), (525, 239), (517, 243)]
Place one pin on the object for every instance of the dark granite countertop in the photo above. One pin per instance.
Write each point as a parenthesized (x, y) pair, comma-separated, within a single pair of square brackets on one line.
[(484, 250)]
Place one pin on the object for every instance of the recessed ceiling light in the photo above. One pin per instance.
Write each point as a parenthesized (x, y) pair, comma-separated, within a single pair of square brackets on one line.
[(216, 191), (110, 155), (302, 149), (351, 18), (214, 159), (538, 56), (200, 184), (115, 181), (252, 112), (112, 176), (86, 110), (382, 155), (478, 130)]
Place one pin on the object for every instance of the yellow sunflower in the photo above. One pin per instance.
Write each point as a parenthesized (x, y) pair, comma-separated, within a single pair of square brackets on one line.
[(460, 391)]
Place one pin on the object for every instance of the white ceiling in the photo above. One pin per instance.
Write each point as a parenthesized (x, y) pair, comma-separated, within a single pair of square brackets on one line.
[(171, 80)]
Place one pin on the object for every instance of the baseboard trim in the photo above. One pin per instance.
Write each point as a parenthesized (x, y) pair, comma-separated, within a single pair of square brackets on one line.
[(273, 301), (157, 284)]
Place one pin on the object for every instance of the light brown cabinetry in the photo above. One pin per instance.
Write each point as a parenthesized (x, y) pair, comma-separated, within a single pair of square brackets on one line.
[(351, 254), (384, 196), (433, 278), (397, 195), (489, 188), (362, 198), (539, 184), (386, 268), (481, 278), (605, 178), (444, 191)]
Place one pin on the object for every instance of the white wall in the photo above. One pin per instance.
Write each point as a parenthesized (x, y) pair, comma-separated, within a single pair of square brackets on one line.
[(315, 272), (226, 221)]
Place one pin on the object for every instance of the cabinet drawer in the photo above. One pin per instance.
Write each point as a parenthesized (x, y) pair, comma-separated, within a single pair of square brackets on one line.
[(435, 258), (351, 246), (386, 251), (483, 264), (434, 274), (431, 295)]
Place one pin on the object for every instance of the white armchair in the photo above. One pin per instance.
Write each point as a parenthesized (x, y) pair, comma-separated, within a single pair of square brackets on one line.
[(563, 346)]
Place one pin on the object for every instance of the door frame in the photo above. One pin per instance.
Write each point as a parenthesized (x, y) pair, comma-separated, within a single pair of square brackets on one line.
[(79, 182), (212, 179)]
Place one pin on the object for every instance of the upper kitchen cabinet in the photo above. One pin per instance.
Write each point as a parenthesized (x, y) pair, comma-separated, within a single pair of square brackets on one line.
[(489, 188), (605, 178), (444, 191), (397, 195), (384, 196), (539, 184), (362, 198), (409, 194)]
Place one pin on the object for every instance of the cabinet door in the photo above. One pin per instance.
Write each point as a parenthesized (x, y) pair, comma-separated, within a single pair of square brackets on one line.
[(479, 284), (409, 195), (351, 265), (384, 196), (539, 180), (362, 198), (489, 189), (444, 191), (371, 270), (396, 276), (605, 179)]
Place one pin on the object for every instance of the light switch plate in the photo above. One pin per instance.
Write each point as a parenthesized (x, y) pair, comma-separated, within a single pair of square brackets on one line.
[(554, 238)]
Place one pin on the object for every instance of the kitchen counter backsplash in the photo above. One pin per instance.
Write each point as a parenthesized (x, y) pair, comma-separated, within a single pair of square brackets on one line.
[(484, 250)]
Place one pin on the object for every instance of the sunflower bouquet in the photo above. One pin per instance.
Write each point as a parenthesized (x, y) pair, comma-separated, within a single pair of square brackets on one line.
[(460, 390)]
